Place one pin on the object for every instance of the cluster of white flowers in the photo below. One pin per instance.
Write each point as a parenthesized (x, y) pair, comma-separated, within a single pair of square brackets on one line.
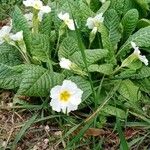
[(38, 5), (137, 52), (6, 35)]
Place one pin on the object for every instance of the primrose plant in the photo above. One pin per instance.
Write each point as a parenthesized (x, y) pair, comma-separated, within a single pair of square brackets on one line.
[(77, 57)]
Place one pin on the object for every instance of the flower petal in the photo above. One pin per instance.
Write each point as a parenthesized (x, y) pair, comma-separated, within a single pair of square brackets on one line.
[(54, 93), (17, 37), (144, 59), (28, 3), (70, 24), (90, 23), (76, 98), (71, 108), (65, 63), (40, 15), (45, 9), (55, 105), (69, 85), (29, 16), (99, 18)]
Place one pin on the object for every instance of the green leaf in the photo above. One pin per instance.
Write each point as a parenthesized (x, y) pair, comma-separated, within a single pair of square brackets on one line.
[(143, 23), (144, 85), (45, 27), (83, 84), (112, 22), (111, 110), (118, 5), (122, 6), (40, 47), (130, 91), (92, 56), (126, 74), (9, 55), (68, 46), (95, 5), (107, 44), (143, 73), (141, 38), (38, 82), (20, 23), (9, 77), (143, 4), (129, 23), (23, 130), (104, 7), (106, 69)]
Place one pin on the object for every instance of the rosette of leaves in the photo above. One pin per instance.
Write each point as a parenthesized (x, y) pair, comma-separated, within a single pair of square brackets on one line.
[(100, 60)]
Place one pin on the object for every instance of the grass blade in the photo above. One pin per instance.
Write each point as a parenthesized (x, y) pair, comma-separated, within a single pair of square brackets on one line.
[(23, 130), (124, 145)]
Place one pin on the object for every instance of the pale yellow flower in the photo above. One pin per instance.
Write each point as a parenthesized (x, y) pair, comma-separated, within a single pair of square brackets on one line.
[(65, 97), (69, 22), (137, 52)]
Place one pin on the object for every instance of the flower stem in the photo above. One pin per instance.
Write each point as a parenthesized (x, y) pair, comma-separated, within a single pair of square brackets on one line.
[(35, 21)]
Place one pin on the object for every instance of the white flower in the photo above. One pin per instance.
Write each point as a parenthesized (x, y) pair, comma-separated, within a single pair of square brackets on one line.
[(65, 63), (29, 18), (94, 22), (43, 10), (137, 53), (37, 4), (66, 97), (69, 22), (4, 33), (17, 37)]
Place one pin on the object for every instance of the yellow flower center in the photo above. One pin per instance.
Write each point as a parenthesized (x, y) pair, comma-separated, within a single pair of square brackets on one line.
[(64, 96)]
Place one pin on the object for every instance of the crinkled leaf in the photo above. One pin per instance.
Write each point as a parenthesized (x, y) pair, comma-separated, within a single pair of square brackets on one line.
[(38, 82), (106, 69), (40, 47), (141, 38), (111, 110), (68, 46), (9, 55), (107, 44), (92, 56), (45, 27), (143, 23), (112, 22), (129, 22), (9, 77), (104, 7), (129, 90), (20, 23)]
